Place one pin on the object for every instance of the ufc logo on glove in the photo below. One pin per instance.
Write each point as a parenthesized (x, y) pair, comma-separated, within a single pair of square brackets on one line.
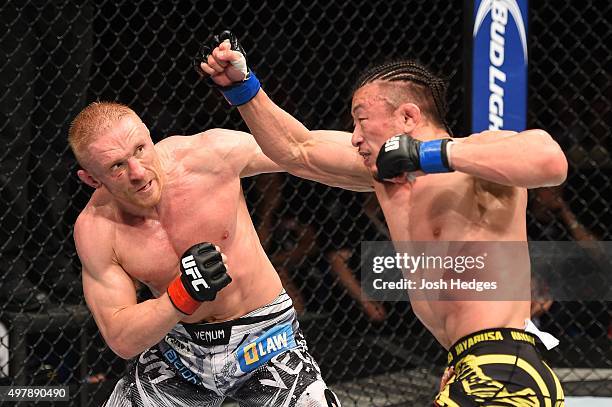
[(201, 266), (392, 144), (189, 265)]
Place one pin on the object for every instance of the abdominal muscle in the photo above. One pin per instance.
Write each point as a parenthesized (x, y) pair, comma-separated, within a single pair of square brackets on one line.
[(250, 292), (445, 209), (448, 321), (255, 282)]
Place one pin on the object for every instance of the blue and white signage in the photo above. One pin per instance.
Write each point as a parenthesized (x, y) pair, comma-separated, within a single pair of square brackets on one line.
[(499, 66)]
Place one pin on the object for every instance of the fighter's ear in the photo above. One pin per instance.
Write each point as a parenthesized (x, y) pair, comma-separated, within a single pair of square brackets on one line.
[(410, 115), (88, 179)]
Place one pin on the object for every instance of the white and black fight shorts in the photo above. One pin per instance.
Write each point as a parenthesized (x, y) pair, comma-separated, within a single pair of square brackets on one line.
[(260, 359)]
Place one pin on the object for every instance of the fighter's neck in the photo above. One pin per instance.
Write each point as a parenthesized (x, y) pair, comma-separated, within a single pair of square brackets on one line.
[(425, 133), (124, 211), (134, 214)]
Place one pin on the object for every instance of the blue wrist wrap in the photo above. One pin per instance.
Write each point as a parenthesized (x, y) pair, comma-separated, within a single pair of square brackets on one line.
[(432, 158), (243, 92)]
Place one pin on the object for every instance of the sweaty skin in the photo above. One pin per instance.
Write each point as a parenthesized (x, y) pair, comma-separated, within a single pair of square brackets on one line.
[(484, 200), (151, 203), (200, 199)]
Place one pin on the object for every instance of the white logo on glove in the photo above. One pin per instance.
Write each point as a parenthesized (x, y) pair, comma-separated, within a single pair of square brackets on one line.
[(190, 268), (392, 144)]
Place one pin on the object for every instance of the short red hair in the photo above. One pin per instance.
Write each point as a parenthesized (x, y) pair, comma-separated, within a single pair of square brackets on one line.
[(95, 117)]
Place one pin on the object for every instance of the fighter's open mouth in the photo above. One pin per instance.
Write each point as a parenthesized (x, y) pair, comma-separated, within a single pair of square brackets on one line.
[(145, 186)]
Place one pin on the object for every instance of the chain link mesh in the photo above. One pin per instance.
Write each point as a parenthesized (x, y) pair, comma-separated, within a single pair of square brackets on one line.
[(59, 55), (570, 96)]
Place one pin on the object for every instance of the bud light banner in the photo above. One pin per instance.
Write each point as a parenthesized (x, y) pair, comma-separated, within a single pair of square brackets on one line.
[(499, 65)]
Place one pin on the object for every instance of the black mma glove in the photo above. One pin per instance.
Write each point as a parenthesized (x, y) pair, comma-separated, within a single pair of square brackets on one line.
[(203, 274), (241, 92), (402, 153)]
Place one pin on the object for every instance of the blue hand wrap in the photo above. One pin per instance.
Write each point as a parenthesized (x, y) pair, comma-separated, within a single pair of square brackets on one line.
[(243, 92), (432, 158)]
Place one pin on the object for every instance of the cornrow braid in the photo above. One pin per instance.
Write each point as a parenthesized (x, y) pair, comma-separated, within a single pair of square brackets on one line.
[(411, 71)]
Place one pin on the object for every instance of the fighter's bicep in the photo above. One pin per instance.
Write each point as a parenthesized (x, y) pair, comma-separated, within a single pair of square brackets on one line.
[(107, 291), (337, 161), (259, 164), (488, 136), (106, 286)]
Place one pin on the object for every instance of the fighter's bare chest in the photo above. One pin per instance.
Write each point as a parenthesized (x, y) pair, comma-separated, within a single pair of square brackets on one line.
[(428, 208), (149, 251)]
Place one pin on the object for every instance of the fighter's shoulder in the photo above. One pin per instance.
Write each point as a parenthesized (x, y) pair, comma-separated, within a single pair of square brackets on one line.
[(94, 225), (224, 141), (485, 136), (209, 142)]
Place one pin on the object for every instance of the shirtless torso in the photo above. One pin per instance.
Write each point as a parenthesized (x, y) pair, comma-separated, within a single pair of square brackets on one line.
[(197, 205), (484, 202), (160, 206), (201, 201), (457, 207), (397, 108)]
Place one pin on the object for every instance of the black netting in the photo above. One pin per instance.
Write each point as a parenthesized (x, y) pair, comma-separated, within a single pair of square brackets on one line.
[(570, 95), (59, 55)]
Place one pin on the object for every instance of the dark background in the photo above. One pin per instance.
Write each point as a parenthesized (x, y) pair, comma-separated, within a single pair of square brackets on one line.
[(59, 55)]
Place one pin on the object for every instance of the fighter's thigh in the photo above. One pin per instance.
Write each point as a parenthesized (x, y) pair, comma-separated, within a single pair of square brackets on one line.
[(292, 378), (152, 381)]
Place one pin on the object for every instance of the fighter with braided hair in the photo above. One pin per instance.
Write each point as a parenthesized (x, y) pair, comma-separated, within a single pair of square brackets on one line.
[(413, 75), (431, 187)]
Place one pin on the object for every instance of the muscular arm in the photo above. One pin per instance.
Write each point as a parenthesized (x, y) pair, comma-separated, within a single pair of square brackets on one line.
[(129, 328), (323, 156), (241, 151), (529, 159)]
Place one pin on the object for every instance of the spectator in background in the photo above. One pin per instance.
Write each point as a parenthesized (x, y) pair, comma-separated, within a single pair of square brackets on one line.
[(556, 218), (541, 300), (557, 222), (292, 244), (289, 242), (353, 218)]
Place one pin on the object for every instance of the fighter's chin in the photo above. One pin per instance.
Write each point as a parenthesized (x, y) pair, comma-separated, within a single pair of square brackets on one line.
[(153, 201), (146, 202), (373, 169)]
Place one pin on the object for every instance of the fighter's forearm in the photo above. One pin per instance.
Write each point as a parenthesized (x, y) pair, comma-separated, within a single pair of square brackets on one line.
[(136, 328), (324, 156), (280, 136), (530, 159)]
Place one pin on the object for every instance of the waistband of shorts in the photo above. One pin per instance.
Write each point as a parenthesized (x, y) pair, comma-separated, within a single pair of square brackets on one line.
[(463, 346), (279, 306)]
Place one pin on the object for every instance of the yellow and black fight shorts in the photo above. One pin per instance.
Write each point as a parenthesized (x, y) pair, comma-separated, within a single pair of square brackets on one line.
[(499, 367)]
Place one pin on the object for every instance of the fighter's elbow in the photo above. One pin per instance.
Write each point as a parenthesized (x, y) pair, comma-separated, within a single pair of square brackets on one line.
[(122, 349), (553, 163), (556, 169), (119, 344)]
